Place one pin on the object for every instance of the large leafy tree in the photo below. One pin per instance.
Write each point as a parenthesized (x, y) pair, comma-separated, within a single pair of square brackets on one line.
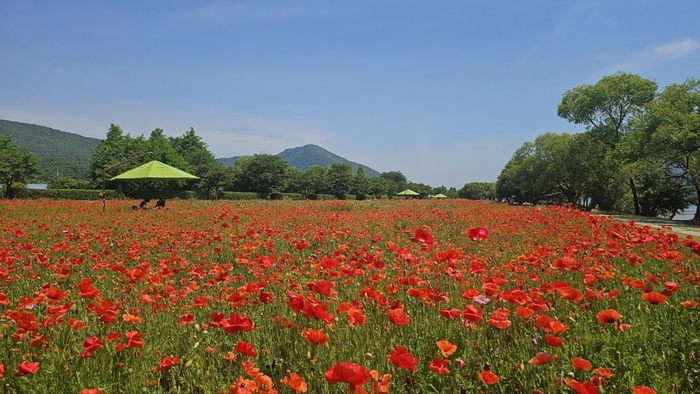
[(606, 109), (16, 164), (477, 191), (360, 184), (202, 163), (262, 173), (339, 178), (396, 181), (676, 138)]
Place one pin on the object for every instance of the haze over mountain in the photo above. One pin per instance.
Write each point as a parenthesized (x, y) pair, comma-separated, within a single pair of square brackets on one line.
[(69, 154)]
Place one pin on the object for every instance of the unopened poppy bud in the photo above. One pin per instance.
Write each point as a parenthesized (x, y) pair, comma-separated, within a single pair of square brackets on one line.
[(197, 327), (368, 356), (571, 375), (694, 342)]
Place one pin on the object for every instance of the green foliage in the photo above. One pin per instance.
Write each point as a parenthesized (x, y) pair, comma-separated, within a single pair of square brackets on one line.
[(478, 191), (64, 182), (66, 194), (16, 164), (262, 173), (339, 179), (396, 182)]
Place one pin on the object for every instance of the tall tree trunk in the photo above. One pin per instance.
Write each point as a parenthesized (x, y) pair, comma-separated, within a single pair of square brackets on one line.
[(634, 196), (696, 218)]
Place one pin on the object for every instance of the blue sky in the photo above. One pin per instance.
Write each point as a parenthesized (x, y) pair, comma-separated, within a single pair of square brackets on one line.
[(442, 91)]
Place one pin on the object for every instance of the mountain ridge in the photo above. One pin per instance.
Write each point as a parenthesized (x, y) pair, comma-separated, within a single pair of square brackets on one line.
[(72, 152)]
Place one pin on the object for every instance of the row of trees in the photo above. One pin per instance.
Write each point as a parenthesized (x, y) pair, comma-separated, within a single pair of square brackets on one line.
[(640, 151), (262, 173)]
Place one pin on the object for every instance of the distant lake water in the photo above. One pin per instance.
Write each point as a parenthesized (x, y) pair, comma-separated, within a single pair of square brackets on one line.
[(687, 214)]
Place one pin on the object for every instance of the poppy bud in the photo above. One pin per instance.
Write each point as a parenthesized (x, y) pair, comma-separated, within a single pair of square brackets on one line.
[(368, 356), (694, 342)]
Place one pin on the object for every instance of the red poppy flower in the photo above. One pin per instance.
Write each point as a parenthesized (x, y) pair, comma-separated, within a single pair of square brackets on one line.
[(446, 348), (27, 368), (488, 377), (654, 298), (524, 312), (689, 304), (314, 336), (185, 319), (581, 364), (553, 341), (401, 358), (608, 316), (450, 313), (642, 390), (3, 371), (478, 234), (295, 382), (168, 362), (422, 236), (347, 372), (236, 323), (398, 317), (439, 366), (355, 317), (582, 387), (133, 339), (243, 386), (540, 359), (245, 349), (603, 372)]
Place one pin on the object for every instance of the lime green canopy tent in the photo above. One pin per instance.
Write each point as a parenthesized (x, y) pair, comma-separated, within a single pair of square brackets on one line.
[(154, 170), (407, 192), (440, 196)]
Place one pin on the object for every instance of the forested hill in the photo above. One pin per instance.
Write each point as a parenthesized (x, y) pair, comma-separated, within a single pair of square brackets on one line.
[(68, 153), (306, 156)]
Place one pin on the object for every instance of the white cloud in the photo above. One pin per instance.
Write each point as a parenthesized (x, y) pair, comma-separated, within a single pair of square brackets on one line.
[(676, 49), (650, 59)]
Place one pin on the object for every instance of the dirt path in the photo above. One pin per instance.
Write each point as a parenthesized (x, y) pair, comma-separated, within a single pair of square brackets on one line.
[(678, 226)]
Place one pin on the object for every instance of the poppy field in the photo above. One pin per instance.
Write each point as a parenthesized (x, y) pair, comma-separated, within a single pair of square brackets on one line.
[(395, 296)]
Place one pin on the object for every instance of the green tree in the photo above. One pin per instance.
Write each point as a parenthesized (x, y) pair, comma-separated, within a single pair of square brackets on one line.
[(606, 109), (314, 180), (64, 182), (478, 191), (339, 179), (262, 173), (360, 184), (396, 182), (16, 164), (378, 187), (677, 137), (201, 162)]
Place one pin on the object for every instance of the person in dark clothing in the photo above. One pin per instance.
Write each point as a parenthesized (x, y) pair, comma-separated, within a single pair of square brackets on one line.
[(160, 203)]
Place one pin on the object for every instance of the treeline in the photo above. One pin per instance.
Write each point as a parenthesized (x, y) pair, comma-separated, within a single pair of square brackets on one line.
[(260, 173), (639, 153)]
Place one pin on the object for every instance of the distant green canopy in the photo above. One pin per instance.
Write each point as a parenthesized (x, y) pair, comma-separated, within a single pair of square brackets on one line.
[(153, 170), (408, 192)]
